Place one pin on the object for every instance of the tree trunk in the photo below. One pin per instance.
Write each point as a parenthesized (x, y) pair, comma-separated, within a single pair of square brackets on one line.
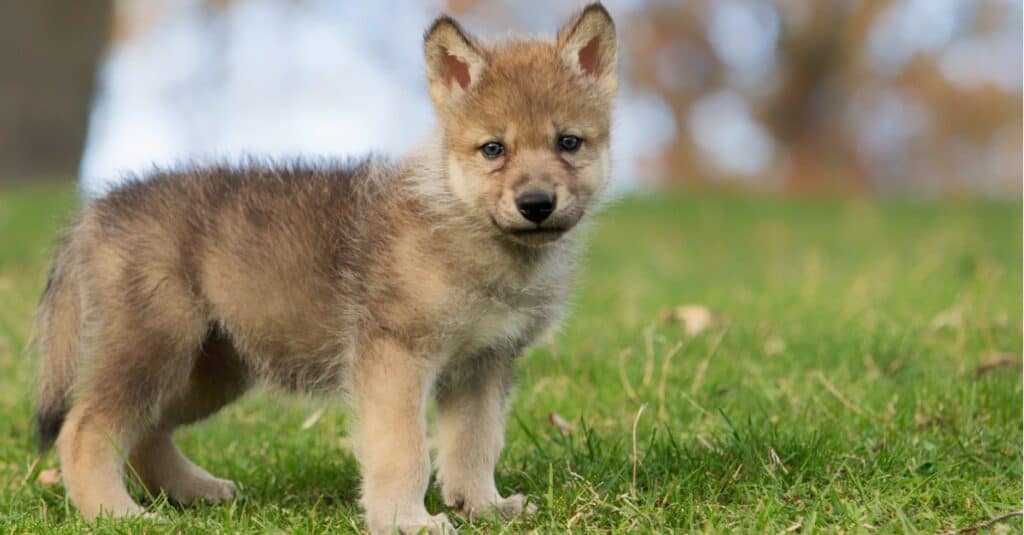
[(49, 54)]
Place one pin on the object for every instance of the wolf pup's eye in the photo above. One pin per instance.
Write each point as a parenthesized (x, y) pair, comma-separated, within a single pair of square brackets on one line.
[(492, 149), (569, 143)]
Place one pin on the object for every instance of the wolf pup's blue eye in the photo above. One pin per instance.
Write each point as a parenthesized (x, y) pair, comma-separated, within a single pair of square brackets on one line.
[(569, 143), (492, 149)]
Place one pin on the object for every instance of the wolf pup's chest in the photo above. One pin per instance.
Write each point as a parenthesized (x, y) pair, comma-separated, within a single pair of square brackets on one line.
[(509, 312), (489, 324)]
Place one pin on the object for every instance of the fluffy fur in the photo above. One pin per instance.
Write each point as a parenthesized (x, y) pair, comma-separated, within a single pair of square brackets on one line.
[(389, 282)]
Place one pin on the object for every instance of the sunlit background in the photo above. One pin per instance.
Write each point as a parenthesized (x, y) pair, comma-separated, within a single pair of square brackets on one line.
[(856, 96)]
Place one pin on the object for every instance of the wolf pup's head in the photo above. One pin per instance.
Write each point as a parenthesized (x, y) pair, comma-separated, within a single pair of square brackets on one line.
[(526, 123)]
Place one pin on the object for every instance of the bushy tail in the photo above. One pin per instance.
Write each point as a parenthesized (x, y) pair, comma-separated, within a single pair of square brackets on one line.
[(57, 338)]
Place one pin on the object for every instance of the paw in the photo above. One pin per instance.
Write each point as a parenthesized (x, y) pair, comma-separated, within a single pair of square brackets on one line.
[(437, 524), (156, 519), (423, 524), (202, 488), (510, 507), (514, 506), (122, 509)]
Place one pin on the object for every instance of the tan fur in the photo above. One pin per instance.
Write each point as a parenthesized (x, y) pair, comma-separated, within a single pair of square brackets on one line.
[(91, 453), (390, 283), (159, 464)]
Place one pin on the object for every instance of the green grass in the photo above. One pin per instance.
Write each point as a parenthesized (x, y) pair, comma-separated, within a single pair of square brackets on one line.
[(841, 391)]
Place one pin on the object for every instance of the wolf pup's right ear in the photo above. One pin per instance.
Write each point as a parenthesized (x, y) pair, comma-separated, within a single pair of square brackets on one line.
[(588, 46), (454, 62)]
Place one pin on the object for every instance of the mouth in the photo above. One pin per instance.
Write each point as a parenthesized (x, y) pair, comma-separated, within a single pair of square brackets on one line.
[(539, 231), (533, 235)]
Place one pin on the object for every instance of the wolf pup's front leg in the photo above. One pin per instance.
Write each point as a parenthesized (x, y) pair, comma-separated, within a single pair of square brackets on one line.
[(471, 415), (390, 387)]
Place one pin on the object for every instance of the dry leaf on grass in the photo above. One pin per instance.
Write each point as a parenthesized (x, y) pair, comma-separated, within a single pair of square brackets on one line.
[(694, 318), (49, 477), (773, 346), (921, 420), (952, 318), (999, 360), (560, 423)]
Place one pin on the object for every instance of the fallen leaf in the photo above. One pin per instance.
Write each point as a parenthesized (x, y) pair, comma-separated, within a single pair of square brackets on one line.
[(795, 500), (952, 318), (773, 346), (920, 420), (49, 477), (560, 423), (695, 318), (999, 360)]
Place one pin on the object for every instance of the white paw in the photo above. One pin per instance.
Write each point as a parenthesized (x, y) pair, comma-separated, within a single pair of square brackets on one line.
[(125, 510), (510, 507), (515, 505), (203, 488), (423, 524)]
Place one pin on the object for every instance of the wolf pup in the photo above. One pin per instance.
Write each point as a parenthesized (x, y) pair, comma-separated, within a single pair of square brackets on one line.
[(389, 283)]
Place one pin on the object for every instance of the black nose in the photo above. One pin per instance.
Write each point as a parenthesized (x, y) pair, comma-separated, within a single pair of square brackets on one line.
[(536, 205)]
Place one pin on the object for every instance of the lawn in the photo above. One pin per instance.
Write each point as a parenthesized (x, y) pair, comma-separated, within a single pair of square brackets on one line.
[(860, 373)]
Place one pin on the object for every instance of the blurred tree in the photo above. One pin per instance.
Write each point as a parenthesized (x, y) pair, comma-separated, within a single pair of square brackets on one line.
[(850, 96), (50, 51)]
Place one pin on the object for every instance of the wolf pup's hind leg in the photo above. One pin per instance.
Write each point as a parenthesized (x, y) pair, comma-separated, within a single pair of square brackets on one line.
[(143, 347), (218, 378)]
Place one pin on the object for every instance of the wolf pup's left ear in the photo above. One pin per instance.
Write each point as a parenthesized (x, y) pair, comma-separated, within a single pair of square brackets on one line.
[(454, 62), (589, 47)]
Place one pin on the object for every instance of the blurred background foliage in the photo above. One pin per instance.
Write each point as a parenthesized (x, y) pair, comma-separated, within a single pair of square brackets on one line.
[(874, 95), (854, 96)]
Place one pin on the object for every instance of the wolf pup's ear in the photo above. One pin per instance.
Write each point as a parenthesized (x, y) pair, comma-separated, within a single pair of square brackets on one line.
[(589, 47), (454, 61)]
